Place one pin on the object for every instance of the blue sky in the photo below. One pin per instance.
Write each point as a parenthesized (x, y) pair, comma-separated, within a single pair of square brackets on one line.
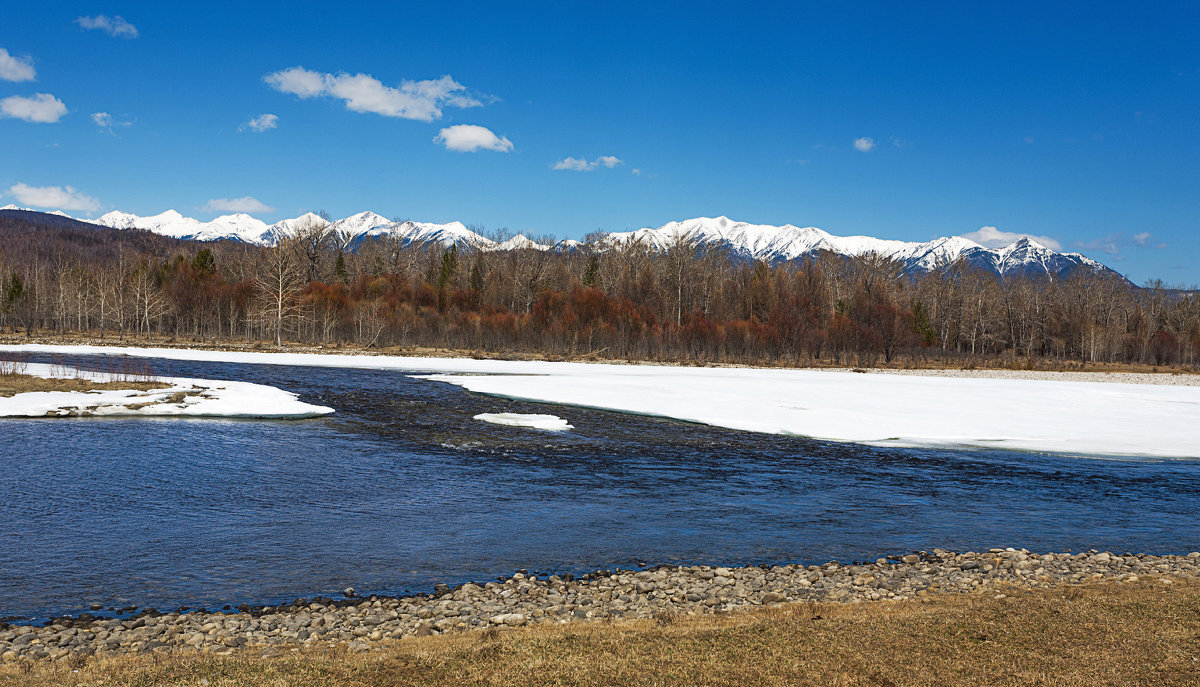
[(1077, 123)]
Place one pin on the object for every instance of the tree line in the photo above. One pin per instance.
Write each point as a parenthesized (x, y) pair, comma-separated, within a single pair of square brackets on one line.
[(627, 302)]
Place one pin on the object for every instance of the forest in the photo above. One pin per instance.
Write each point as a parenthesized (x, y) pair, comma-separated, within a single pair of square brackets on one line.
[(60, 278)]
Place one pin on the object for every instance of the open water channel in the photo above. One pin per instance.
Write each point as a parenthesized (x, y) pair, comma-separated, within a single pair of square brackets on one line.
[(401, 489)]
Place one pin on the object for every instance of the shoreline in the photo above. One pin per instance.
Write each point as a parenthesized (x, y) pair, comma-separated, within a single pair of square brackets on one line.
[(966, 366), (660, 592)]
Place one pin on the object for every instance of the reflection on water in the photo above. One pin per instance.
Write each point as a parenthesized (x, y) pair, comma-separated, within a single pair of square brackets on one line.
[(401, 488)]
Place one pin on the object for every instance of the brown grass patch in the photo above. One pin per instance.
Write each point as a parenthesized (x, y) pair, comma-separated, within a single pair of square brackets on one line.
[(13, 384), (1110, 634)]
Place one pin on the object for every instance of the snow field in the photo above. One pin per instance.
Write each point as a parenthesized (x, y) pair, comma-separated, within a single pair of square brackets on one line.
[(1049, 415)]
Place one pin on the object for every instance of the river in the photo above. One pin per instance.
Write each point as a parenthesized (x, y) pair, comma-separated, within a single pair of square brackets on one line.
[(401, 488)]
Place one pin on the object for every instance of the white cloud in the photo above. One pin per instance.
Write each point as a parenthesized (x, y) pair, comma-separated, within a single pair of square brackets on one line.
[(16, 68), (298, 81), (113, 26), (576, 164), (42, 107), (261, 123), (422, 100), (636, 172), (1146, 240), (573, 164), (1109, 244), (991, 237), (864, 144), (245, 204), (56, 197), (466, 138), (107, 122)]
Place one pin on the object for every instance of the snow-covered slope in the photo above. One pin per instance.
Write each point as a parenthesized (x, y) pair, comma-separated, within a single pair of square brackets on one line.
[(740, 239), (776, 244), (237, 227), (10, 206)]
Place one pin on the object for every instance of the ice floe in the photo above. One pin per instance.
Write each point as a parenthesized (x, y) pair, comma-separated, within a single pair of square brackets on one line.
[(550, 423)]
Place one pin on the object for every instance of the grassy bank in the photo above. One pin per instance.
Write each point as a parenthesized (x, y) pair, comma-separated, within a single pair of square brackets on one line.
[(14, 383), (1103, 634)]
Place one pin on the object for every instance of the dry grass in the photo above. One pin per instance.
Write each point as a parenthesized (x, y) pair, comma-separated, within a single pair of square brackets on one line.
[(1142, 634), (12, 384), (901, 362)]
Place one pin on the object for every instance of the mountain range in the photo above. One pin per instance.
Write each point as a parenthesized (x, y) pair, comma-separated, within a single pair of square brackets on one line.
[(740, 239)]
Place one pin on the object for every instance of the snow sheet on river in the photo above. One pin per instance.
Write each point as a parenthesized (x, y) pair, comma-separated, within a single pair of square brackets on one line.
[(182, 397), (1061, 416)]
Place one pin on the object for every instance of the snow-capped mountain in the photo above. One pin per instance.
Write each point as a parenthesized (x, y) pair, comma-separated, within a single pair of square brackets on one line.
[(781, 244), (60, 213), (238, 227), (740, 239)]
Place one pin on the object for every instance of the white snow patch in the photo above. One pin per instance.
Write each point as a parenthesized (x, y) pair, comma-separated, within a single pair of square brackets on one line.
[(201, 398), (1060, 416), (550, 423)]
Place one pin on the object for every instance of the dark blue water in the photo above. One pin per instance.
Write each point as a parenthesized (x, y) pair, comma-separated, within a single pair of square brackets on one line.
[(401, 488)]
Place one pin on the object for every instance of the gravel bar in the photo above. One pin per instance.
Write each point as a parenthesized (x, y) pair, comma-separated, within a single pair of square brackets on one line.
[(360, 624)]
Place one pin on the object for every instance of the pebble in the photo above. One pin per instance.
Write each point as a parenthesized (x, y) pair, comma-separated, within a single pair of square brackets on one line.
[(359, 623)]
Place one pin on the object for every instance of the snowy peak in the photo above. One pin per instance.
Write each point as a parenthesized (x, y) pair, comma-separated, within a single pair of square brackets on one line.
[(784, 243), (237, 227), (520, 241), (741, 240)]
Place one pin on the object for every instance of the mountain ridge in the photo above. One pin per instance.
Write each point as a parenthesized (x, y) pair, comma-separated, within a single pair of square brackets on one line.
[(742, 240)]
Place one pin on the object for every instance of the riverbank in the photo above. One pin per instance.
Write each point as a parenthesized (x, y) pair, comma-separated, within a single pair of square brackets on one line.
[(663, 594), (947, 364), (1099, 634)]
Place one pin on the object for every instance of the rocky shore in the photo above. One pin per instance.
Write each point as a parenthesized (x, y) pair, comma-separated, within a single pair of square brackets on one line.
[(661, 592)]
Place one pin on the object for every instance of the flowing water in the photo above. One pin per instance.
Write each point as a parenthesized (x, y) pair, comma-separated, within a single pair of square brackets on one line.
[(401, 488)]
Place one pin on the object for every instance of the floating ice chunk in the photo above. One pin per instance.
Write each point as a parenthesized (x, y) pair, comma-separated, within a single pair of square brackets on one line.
[(550, 423)]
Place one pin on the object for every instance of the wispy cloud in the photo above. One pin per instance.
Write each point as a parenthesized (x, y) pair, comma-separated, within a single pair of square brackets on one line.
[(108, 122), (467, 138), (901, 142), (42, 108), (53, 197), (245, 204), (865, 144), (1146, 240), (991, 237), (421, 100), (1110, 244), (113, 26), (1114, 243), (16, 68), (261, 123), (577, 164)]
